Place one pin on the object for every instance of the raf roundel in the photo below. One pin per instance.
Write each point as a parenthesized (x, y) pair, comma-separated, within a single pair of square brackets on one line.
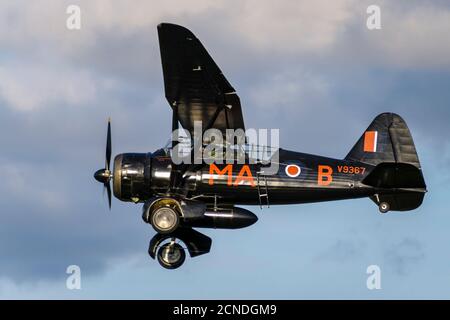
[(293, 170)]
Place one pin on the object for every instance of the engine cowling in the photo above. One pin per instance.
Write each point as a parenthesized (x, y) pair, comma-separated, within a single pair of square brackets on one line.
[(132, 176)]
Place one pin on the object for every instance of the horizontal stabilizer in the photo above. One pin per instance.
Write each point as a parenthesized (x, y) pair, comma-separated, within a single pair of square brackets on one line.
[(404, 180), (395, 175), (401, 201)]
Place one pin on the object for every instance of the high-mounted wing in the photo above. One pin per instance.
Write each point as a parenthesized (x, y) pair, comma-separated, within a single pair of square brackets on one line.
[(195, 87)]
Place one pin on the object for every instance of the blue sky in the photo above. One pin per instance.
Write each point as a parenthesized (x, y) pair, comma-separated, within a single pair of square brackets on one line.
[(312, 69)]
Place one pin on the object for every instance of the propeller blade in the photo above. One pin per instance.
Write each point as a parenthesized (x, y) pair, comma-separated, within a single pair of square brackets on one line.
[(108, 189), (105, 175), (108, 146)]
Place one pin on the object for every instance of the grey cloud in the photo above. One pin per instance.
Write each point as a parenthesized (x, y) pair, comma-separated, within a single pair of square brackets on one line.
[(122, 33), (53, 216), (343, 250), (405, 255)]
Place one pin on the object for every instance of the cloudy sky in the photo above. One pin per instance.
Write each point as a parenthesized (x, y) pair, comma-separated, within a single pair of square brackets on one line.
[(310, 68)]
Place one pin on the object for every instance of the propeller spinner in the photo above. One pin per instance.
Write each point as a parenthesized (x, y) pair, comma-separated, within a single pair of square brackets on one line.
[(104, 175)]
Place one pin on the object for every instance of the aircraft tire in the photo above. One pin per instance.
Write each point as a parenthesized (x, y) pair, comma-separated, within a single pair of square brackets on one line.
[(165, 220), (384, 207), (171, 256)]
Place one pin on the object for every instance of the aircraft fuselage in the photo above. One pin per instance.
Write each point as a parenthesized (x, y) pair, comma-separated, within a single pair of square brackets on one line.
[(301, 178)]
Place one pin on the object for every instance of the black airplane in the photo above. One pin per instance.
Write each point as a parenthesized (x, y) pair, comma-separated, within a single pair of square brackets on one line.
[(383, 164)]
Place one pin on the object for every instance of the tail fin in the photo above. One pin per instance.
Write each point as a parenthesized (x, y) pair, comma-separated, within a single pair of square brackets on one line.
[(388, 145), (387, 139)]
